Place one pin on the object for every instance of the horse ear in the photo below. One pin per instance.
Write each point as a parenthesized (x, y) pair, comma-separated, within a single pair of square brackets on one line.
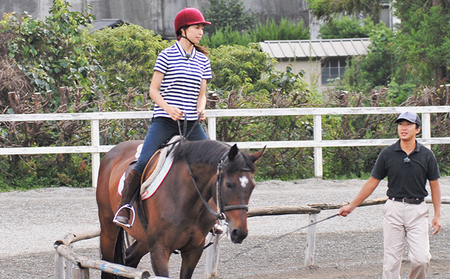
[(233, 152), (255, 156)]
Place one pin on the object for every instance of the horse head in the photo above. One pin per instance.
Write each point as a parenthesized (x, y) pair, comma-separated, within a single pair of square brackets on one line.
[(236, 184)]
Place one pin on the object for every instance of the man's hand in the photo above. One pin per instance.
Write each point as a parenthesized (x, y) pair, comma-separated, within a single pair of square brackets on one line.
[(436, 224), (346, 210)]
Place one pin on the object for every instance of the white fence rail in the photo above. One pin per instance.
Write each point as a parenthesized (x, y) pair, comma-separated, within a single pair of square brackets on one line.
[(317, 143)]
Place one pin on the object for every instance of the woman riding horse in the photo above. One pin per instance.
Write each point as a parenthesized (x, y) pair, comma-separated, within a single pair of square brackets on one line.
[(208, 180), (178, 88)]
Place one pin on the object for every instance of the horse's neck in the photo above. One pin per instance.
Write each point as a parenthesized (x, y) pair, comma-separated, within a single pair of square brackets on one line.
[(205, 177)]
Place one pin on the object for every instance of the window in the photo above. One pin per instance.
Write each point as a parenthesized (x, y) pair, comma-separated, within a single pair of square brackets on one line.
[(332, 69)]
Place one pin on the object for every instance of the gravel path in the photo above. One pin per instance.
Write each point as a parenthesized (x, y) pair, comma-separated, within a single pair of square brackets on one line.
[(351, 247)]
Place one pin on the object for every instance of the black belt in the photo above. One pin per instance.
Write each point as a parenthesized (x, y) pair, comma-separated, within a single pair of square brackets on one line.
[(408, 200)]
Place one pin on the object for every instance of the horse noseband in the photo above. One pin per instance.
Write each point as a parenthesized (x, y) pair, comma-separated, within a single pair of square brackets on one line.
[(235, 207)]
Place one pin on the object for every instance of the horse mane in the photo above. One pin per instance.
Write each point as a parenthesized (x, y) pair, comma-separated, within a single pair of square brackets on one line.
[(210, 152)]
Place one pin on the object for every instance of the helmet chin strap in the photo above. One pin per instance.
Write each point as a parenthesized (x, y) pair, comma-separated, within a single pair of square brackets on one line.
[(187, 39), (183, 36)]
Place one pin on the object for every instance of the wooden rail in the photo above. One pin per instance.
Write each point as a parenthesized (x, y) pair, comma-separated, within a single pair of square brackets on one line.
[(317, 142), (212, 252), (69, 265)]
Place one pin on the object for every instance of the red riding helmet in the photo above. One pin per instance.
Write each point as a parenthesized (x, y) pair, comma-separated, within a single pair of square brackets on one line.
[(189, 16)]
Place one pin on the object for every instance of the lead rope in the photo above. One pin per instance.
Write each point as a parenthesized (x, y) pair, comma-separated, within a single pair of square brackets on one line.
[(286, 234)]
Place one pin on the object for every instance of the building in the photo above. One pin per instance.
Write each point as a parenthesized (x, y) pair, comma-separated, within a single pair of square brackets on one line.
[(323, 61), (158, 15)]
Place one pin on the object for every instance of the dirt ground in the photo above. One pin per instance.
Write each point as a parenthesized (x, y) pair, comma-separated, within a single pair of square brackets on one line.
[(351, 247)]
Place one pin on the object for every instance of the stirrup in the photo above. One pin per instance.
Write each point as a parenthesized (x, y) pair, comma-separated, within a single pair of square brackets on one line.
[(126, 225)]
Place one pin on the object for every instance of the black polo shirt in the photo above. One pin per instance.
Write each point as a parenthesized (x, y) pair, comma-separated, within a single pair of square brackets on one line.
[(406, 180)]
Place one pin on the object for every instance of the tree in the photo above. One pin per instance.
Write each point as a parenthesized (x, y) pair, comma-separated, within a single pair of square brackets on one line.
[(223, 13), (52, 52), (423, 40), (127, 55), (346, 27), (327, 9), (377, 67)]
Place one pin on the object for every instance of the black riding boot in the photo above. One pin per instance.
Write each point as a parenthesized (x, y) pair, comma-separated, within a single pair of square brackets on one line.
[(132, 184)]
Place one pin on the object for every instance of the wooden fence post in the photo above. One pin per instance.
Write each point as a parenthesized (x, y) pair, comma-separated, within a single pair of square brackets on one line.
[(80, 273), (426, 128), (212, 127), (59, 266), (212, 256), (95, 141), (318, 166), (69, 267), (311, 241)]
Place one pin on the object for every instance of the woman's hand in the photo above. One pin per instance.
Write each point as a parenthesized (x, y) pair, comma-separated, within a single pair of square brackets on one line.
[(202, 114), (175, 113)]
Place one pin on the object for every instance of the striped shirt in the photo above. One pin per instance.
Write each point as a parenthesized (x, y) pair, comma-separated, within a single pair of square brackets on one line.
[(183, 76)]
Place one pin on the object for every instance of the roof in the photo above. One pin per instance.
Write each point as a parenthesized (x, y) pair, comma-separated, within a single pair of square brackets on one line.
[(112, 23), (315, 48)]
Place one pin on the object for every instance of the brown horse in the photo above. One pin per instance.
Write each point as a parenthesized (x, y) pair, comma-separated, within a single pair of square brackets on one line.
[(177, 217)]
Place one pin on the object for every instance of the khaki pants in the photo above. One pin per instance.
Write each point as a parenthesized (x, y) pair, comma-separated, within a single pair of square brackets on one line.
[(405, 221)]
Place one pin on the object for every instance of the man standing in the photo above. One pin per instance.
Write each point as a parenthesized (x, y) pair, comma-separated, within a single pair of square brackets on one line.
[(408, 165)]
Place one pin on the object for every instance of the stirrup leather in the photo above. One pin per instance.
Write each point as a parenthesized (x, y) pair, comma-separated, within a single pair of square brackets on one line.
[(132, 216)]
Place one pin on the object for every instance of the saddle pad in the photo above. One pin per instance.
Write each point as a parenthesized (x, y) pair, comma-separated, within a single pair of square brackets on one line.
[(151, 189), (154, 185), (162, 157)]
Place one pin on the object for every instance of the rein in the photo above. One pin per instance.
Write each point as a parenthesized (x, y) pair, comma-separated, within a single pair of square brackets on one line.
[(218, 215), (221, 209)]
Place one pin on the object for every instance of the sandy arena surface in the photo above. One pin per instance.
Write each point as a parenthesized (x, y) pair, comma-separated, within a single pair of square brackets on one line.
[(351, 247)]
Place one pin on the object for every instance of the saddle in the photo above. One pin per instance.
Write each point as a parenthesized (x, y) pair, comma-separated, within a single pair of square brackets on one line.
[(156, 169)]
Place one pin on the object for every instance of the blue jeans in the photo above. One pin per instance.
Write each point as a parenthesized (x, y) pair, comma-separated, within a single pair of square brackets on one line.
[(161, 130)]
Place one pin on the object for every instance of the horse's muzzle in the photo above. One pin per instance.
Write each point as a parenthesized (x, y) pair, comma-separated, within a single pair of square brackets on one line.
[(238, 235)]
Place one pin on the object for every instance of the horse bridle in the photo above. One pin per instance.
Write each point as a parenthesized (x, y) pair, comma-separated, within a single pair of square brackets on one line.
[(220, 214)]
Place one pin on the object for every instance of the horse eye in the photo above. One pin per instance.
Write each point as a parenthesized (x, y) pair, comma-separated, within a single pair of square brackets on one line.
[(229, 185)]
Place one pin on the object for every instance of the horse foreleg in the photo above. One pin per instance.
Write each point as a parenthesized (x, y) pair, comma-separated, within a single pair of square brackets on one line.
[(135, 253), (108, 238), (188, 264), (160, 261)]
